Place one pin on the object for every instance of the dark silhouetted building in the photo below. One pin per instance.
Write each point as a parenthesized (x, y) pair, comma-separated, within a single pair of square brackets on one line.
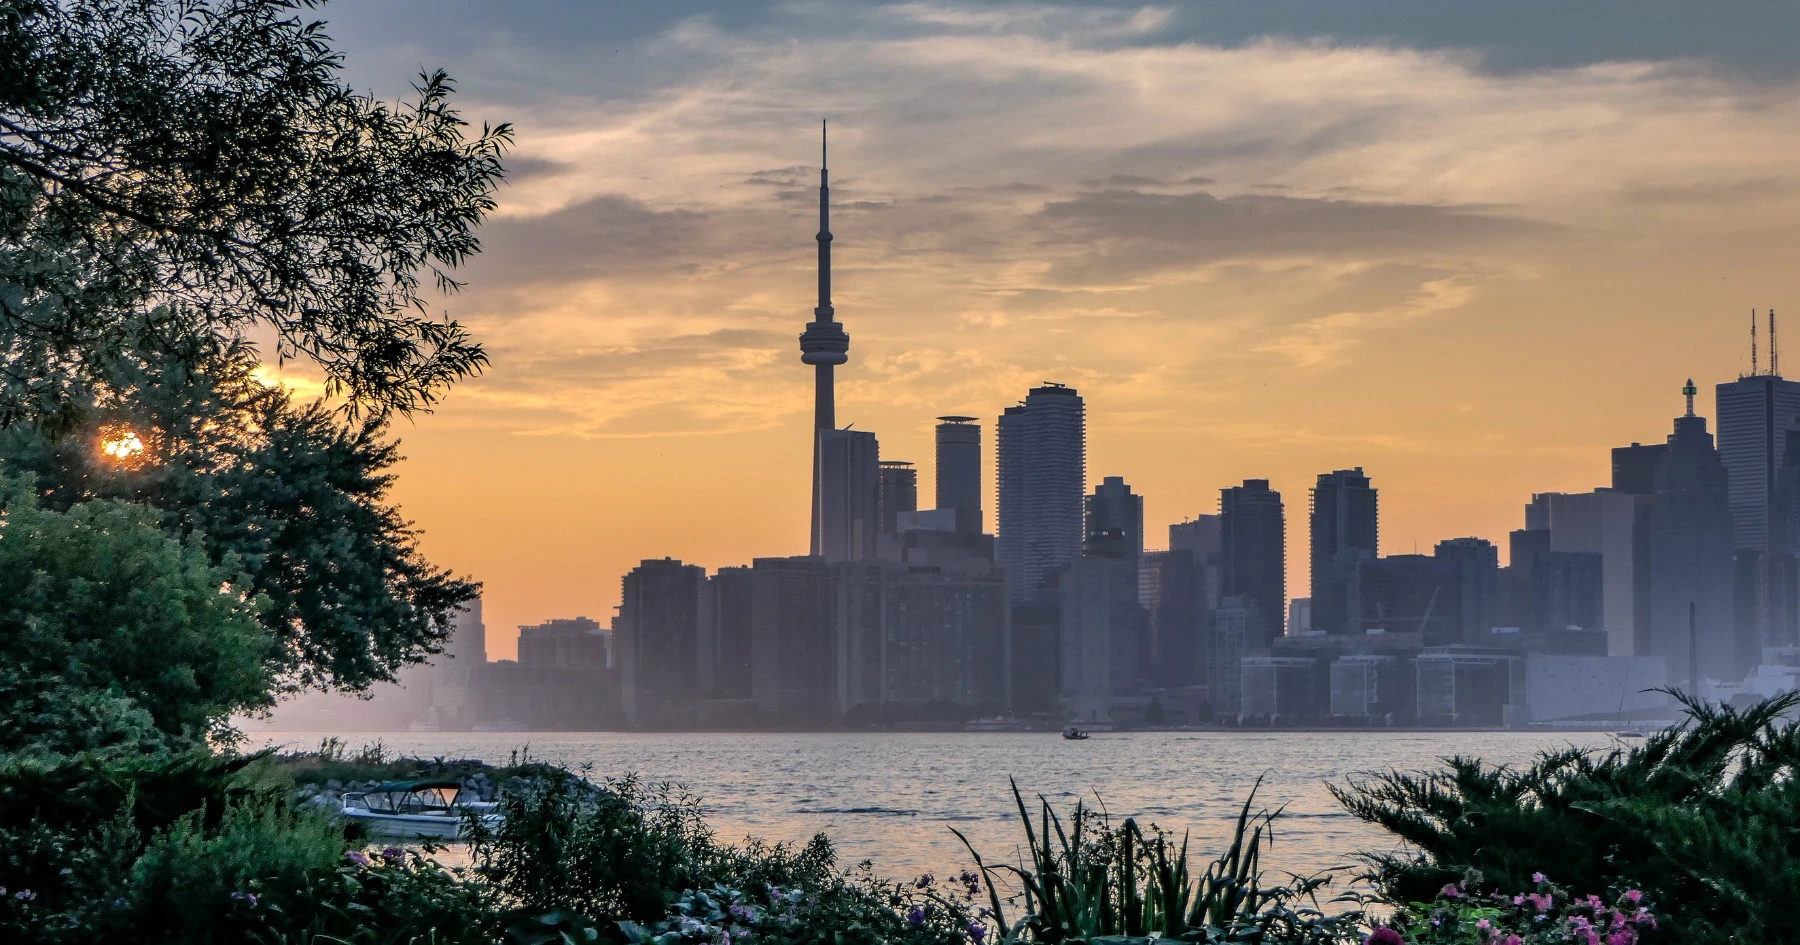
[(1567, 590), (1634, 467), (728, 645), (570, 642), (1691, 554), (1413, 594), (1344, 534), (959, 471), (793, 637), (1115, 520), (915, 636), (1253, 555), (658, 637), (1477, 563), (1042, 471), (898, 493), (1034, 662), (850, 484), (1180, 610)]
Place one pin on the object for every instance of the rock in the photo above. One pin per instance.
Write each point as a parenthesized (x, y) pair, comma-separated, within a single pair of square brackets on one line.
[(334, 785)]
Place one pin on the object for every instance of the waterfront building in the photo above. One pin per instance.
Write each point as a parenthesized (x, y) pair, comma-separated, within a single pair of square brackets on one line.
[(728, 645), (1253, 556), (1477, 564), (567, 642), (793, 637), (917, 636), (1605, 523), (959, 471), (1567, 591), (1345, 533), (1179, 593), (1467, 686), (1236, 632), (1277, 689), (661, 613), (1041, 450), (1104, 635)]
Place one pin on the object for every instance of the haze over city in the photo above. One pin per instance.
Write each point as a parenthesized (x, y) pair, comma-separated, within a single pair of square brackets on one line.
[(1462, 250)]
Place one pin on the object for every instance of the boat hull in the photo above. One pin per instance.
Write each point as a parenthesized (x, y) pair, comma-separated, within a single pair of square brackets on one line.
[(413, 826)]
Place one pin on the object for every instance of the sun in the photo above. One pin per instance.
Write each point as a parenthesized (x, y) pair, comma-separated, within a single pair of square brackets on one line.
[(122, 446)]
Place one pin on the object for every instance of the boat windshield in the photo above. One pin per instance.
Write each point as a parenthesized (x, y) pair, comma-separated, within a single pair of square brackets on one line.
[(419, 800)]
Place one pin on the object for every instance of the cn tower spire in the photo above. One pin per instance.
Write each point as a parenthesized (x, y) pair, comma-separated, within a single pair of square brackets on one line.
[(823, 344)]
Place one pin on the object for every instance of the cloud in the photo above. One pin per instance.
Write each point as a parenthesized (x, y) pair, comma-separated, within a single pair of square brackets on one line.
[(1020, 189)]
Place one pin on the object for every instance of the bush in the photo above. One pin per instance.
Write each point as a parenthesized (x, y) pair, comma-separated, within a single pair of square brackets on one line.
[(1701, 817)]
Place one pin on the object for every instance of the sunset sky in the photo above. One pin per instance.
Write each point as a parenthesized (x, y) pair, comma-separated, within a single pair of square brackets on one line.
[(1469, 250)]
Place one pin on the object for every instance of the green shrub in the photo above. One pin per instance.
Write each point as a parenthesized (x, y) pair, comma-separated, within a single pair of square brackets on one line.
[(1702, 817)]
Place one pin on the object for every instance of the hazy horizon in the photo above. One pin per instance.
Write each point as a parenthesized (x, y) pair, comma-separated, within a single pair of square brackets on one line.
[(1469, 252)]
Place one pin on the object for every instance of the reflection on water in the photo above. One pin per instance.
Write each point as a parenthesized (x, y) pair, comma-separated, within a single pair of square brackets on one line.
[(891, 798)]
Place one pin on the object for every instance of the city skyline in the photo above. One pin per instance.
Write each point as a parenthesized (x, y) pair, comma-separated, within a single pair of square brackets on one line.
[(1505, 283)]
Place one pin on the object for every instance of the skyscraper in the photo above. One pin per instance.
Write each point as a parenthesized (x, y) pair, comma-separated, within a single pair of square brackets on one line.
[(1115, 520), (1604, 522), (1042, 472), (1253, 557), (659, 637), (850, 493), (1755, 412), (899, 492), (1691, 546), (793, 620), (824, 345), (1477, 564), (959, 470), (1344, 533)]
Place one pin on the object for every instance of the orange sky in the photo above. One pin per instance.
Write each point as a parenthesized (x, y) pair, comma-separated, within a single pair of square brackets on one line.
[(1269, 259)]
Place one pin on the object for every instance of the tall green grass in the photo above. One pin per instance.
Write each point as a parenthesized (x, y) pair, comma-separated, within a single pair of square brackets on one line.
[(1087, 878)]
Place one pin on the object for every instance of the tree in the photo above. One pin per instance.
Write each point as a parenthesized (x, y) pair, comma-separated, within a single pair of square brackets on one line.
[(291, 495), (180, 168), (107, 623)]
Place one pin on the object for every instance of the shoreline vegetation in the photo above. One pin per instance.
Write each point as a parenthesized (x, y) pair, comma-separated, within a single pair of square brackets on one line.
[(1686, 837)]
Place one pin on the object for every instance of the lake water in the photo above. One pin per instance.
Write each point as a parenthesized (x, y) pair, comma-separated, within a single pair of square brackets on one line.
[(891, 798)]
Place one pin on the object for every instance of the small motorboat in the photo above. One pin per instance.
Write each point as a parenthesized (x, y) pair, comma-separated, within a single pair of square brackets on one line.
[(1074, 734), (415, 809), (1628, 734)]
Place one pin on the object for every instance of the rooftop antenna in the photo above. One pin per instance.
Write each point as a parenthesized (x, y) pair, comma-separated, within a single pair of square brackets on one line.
[(1753, 367), (1774, 352)]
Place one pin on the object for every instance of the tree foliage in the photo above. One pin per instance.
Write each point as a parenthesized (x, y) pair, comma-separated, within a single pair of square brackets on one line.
[(292, 494), (1704, 817), (180, 168), (101, 613)]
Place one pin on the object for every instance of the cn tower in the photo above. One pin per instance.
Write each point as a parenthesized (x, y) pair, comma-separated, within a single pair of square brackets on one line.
[(824, 345)]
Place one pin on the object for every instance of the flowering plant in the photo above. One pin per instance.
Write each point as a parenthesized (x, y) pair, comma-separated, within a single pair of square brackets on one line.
[(1547, 914)]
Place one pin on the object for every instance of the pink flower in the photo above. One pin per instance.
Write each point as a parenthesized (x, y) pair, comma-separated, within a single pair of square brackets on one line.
[(1450, 891), (1513, 940), (1626, 937), (1519, 900), (1634, 895), (1537, 877), (1384, 936)]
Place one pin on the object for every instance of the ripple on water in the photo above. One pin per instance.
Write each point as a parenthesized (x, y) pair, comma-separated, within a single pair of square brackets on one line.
[(892, 797)]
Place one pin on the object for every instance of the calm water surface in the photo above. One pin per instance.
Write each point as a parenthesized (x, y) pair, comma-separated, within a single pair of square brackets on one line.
[(891, 798)]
